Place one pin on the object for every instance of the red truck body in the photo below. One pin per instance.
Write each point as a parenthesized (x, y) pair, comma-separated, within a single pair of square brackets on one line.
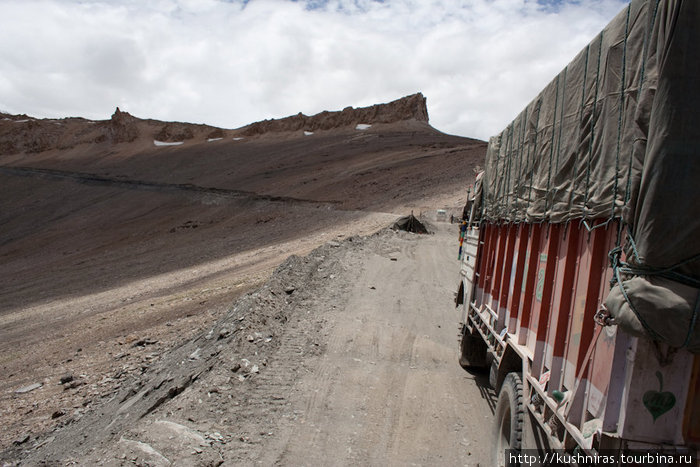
[(534, 289)]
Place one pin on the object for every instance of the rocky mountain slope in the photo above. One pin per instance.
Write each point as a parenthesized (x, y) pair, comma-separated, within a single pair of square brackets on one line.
[(411, 107), (115, 248), (24, 134)]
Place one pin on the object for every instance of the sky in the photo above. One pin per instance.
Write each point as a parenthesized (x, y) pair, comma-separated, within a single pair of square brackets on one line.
[(230, 63)]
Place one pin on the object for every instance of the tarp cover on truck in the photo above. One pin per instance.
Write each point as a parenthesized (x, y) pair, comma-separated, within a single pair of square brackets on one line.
[(617, 135)]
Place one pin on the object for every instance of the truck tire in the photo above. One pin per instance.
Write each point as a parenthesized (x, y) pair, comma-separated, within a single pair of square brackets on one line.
[(509, 418), (472, 350)]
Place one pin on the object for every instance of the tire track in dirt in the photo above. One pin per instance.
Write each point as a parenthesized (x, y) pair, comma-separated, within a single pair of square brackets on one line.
[(388, 390)]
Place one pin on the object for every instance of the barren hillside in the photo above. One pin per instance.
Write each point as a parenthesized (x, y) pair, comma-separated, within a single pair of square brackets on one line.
[(115, 246)]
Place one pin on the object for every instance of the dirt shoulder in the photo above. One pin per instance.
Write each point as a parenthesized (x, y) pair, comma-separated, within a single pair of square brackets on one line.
[(345, 356), (82, 349)]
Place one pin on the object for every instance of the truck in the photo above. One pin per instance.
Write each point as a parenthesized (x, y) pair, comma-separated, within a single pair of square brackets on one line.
[(580, 256)]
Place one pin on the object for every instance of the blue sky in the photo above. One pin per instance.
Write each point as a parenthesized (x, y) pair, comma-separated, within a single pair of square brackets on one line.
[(229, 63)]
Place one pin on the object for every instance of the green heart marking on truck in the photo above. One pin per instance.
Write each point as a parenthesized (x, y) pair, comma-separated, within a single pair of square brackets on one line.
[(659, 402)]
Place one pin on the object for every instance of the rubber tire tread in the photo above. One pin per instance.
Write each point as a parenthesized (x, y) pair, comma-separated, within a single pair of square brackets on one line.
[(510, 403)]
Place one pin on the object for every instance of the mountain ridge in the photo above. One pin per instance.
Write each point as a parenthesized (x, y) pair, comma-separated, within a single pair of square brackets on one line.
[(25, 134)]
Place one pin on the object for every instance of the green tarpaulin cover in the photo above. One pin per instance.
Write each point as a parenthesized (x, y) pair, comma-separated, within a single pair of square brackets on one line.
[(616, 135)]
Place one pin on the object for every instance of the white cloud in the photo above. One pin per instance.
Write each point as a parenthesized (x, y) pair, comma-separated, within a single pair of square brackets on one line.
[(228, 63)]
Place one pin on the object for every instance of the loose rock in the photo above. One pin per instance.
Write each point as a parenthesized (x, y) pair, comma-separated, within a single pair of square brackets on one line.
[(29, 388), (21, 440), (66, 379), (195, 355)]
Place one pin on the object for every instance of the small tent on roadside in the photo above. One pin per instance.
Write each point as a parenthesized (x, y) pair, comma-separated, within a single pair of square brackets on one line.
[(410, 224)]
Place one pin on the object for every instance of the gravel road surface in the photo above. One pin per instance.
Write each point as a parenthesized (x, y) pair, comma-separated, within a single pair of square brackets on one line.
[(388, 389), (347, 356)]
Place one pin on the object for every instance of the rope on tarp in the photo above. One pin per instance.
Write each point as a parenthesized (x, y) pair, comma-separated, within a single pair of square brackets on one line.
[(509, 156), (593, 118), (561, 119), (521, 141), (642, 76), (628, 188), (551, 147), (500, 193), (534, 150), (615, 262), (639, 269), (591, 228), (580, 124), (620, 113)]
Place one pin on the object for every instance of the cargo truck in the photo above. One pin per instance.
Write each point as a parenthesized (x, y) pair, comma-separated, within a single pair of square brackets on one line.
[(580, 263)]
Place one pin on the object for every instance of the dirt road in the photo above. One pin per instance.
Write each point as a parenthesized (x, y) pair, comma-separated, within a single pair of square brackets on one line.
[(388, 390), (344, 357)]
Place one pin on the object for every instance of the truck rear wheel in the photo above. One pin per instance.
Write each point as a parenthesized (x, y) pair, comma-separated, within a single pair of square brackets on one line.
[(472, 350), (508, 433)]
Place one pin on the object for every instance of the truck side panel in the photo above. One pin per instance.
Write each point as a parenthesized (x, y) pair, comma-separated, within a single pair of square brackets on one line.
[(529, 282), (516, 290), (537, 288), (591, 287), (563, 292)]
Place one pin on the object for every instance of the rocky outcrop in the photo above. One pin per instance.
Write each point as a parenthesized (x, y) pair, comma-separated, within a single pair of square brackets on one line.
[(411, 107), (123, 127), (217, 133), (174, 132), (23, 134), (20, 133)]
